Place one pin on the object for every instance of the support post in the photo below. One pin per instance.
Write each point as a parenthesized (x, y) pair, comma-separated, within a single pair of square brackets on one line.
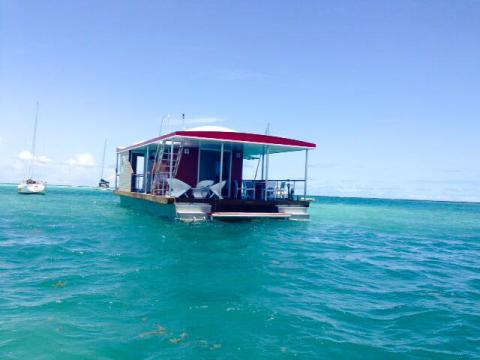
[(267, 132), (198, 161), (116, 173), (266, 171), (263, 163), (221, 162), (145, 170), (170, 169), (132, 173), (306, 174), (230, 172)]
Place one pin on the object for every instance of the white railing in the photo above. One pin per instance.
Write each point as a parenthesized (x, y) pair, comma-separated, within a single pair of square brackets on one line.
[(269, 189)]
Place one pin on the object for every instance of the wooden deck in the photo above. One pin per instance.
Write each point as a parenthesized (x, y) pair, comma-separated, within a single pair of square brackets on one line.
[(149, 197), (220, 205)]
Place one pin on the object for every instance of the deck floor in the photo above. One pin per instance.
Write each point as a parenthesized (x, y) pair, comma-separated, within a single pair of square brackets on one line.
[(249, 215)]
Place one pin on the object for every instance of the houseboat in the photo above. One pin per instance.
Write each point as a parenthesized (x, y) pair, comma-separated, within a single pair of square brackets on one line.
[(197, 175)]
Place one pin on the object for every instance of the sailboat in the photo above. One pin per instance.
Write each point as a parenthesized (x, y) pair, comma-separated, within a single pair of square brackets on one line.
[(31, 186), (103, 184)]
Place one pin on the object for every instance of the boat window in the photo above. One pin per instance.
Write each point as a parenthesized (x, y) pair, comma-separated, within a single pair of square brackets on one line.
[(138, 162), (139, 169), (210, 165)]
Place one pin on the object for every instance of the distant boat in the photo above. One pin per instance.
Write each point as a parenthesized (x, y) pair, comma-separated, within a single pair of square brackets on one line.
[(103, 184), (31, 186)]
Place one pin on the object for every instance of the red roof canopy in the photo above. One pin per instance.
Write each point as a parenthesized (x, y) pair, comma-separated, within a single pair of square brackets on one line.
[(226, 136)]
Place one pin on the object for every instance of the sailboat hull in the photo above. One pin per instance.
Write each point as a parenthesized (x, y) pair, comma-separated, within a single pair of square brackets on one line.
[(27, 189)]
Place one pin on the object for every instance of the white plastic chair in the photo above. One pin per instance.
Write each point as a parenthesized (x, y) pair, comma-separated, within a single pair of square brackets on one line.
[(281, 191), (178, 187), (202, 189), (248, 186), (217, 189), (270, 188), (204, 183)]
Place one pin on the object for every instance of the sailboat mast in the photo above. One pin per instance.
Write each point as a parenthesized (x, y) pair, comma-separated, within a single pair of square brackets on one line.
[(103, 158), (34, 143)]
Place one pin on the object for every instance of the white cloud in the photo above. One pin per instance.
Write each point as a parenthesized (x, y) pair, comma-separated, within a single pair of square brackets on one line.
[(82, 160), (79, 170), (27, 155), (415, 190), (43, 159)]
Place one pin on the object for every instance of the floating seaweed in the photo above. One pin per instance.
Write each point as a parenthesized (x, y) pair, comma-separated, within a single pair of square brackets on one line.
[(216, 346), (60, 284), (178, 340), (160, 330)]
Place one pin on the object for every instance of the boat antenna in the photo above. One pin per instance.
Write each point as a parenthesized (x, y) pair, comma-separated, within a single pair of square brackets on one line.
[(267, 131), (260, 159), (162, 123), (256, 170), (103, 158), (183, 121), (34, 143)]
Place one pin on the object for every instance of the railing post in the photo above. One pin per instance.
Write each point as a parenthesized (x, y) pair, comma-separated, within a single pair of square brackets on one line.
[(306, 173)]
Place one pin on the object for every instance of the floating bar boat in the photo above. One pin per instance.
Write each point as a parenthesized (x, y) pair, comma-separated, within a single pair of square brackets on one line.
[(197, 175)]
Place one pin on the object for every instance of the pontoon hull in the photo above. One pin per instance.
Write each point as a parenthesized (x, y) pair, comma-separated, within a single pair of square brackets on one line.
[(194, 210)]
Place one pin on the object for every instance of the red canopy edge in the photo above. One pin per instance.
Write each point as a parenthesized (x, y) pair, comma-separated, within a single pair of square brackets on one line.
[(228, 136)]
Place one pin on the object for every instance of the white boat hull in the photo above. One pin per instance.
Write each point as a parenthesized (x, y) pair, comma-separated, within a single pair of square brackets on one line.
[(24, 188)]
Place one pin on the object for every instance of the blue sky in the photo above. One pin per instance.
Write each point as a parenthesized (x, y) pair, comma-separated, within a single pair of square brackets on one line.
[(389, 90)]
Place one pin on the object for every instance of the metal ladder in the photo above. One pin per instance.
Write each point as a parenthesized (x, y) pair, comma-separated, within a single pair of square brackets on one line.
[(161, 171)]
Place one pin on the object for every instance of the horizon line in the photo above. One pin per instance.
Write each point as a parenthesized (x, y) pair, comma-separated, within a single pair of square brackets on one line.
[(320, 196)]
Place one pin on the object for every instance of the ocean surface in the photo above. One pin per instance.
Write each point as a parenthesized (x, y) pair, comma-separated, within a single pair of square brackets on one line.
[(83, 278)]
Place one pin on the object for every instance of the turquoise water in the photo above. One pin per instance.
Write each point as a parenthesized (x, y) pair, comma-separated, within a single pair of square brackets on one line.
[(83, 278)]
